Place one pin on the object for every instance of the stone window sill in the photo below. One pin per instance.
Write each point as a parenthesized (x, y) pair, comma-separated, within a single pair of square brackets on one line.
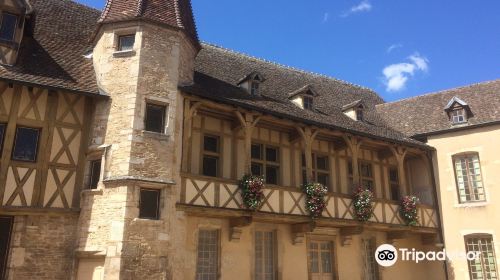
[(147, 221), (124, 53), (156, 135), (472, 204)]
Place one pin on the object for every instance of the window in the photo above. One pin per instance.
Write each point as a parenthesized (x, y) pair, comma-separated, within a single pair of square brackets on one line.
[(26, 144), (254, 88), (308, 102), (458, 116), (207, 266), (394, 183), (155, 118), (211, 155), (95, 173), (6, 224), (468, 177), (320, 254), (8, 27), (483, 267), (371, 266), (2, 134), (265, 162), (126, 42), (321, 172), (365, 174), (149, 204), (359, 114), (265, 255)]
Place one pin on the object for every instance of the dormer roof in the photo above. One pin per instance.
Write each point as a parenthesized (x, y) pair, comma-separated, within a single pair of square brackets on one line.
[(173, 13), (305, 90), (356, 104), (253, 76), (453, 101)]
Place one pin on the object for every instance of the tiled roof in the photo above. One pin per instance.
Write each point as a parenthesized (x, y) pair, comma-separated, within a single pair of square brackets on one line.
[(174, 13), (217, 72), (426, 114), (52, 51)]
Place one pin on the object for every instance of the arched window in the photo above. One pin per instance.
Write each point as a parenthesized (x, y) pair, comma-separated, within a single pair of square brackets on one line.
[(468, 177)]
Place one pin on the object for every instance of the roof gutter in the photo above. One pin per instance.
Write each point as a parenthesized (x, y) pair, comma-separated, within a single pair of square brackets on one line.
[(454, 129)]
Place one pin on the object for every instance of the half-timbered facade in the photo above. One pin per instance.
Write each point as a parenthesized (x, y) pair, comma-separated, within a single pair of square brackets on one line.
[(123, 141)]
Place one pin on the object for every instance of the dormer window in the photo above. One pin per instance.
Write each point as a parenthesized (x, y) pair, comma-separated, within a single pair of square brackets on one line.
[(8, 27), (254, 88), (458, 116), (359, 114), (458, 111), (307, 101), (251, 83)]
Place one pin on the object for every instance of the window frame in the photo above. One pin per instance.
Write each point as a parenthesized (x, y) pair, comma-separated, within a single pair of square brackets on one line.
[(119, 45), (274, 252), (454, 114), (359, 114), (264, 163), (15, 26), (468, 155), (333, 254), (164, 108), (2, 137), (218, 247), (158, 201), (350, 174), (91, 173), (392, 183), (254, 87), (371, 267), (316, 171), (211, 154), (469, 237), (310, 102), (36, 148)]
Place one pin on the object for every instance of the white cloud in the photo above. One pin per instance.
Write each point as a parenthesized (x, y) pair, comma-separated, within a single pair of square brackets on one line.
[(364, 6), (393, 47), (326, 16), (397, 75)]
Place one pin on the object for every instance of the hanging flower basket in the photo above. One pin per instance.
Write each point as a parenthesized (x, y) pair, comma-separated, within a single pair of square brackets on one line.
[(363, 204), (251, 191), (315, 198), (408, 210)]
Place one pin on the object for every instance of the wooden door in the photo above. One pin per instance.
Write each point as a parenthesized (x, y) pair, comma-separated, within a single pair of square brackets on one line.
[(6, 224), (321, 265)]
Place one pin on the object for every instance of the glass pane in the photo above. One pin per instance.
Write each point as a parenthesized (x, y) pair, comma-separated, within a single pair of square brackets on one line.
[(155, 118), (264, 255), (26, 144), (208, 255), (211, 144), (272, 175), (322, 163), (366, 170), (8, 28), (126, 43), (323, 179), (393, 175), (149, 204), (257, 169), (256, 151), (210, 166), (2, 133), (272, 154)]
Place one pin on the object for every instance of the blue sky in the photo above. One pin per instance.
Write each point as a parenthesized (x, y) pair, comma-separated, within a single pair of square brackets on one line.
[(399, 48)]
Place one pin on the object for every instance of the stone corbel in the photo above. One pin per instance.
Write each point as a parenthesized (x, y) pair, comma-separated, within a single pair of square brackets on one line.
[(236, 226), (346, 234), (299, 231)]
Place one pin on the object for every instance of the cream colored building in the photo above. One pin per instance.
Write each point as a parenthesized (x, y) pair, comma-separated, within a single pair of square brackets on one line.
[(463, 125), (123, 140)]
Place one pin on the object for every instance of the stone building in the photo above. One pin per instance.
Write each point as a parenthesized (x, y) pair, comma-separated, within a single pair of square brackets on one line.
[(463, 124), (123, 139)]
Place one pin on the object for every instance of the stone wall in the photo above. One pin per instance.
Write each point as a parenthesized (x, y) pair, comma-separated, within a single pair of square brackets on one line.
[(42, 247)]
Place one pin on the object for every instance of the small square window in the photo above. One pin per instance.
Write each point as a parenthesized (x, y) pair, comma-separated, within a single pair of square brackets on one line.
[(26, 144), (8, 26), (458, 116), (155, 118), (149, 204), (210, 166), (126, 42), (95, 173), (211, 144)]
